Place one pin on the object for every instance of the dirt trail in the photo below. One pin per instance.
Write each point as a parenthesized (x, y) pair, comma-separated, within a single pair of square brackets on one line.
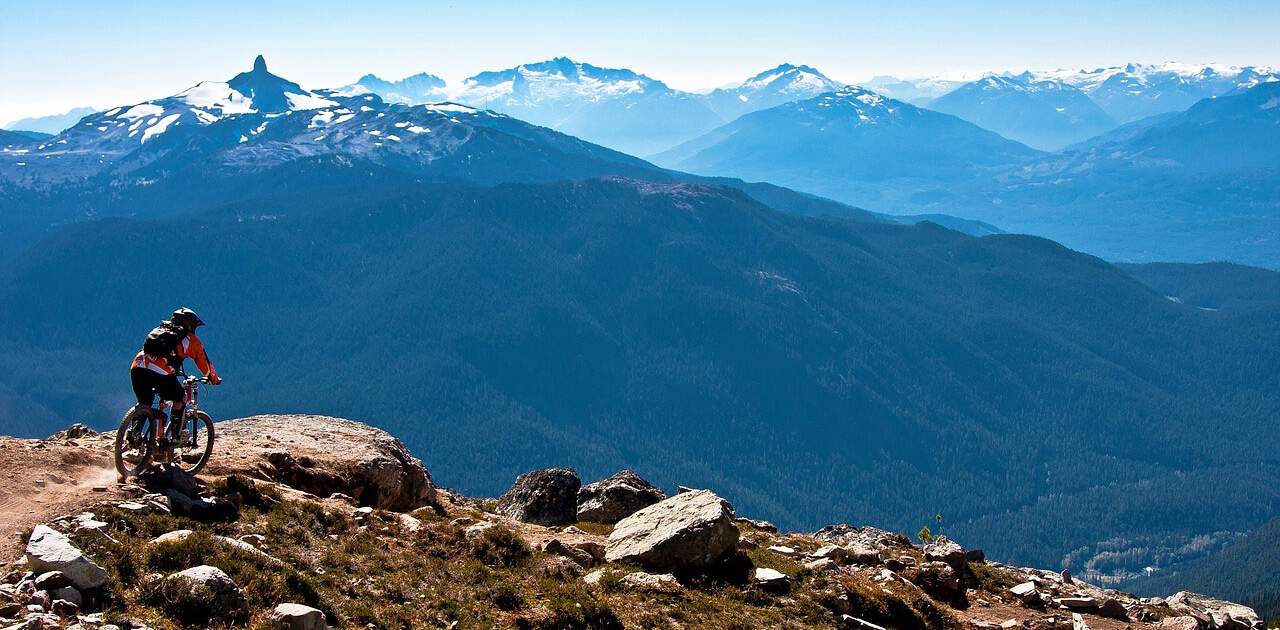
[(43, 479)]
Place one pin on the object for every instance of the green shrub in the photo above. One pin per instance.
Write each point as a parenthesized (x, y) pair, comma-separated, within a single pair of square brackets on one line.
[(499, 546)]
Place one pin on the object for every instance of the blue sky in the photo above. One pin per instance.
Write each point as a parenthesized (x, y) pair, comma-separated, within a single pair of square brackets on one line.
[(56, 55)]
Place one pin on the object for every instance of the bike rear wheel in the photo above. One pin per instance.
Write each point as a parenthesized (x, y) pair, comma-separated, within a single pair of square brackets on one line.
[(135, 441), (195, 443)]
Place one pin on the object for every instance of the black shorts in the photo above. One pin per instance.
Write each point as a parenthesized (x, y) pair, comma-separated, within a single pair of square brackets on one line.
[(147, 384)]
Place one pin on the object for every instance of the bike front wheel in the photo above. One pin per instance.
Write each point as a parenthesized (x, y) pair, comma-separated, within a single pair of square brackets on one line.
[(135, 441), (194, 444)]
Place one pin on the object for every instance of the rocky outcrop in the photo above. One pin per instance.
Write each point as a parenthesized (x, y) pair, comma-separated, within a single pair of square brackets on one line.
[(1214, 613), (688, 531), (49, 550), (322, 455), (613, 499), (543, 497)]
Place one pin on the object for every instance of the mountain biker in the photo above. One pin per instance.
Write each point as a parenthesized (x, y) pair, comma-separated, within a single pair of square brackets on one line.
[(155, 369)]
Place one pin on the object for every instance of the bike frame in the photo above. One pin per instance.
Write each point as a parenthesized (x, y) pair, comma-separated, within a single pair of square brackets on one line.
[(190, 405)]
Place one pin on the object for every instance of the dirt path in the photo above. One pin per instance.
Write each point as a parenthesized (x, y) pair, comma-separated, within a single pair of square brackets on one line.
[(43, 479)]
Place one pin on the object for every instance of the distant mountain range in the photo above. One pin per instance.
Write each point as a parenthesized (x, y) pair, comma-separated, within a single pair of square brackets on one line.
[(617, 108), (1198, 185), (849, 144), (50, 124), (1045, 114), (1136, 91)]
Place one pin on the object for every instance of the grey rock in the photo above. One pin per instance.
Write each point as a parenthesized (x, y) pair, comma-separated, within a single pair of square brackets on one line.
[(543, 497), (49, 550), (613, 499), (68, 593), (688, 531), (212, 586), (771, 580), (51, 580), (654, 583), (297, 617), (943, 549)]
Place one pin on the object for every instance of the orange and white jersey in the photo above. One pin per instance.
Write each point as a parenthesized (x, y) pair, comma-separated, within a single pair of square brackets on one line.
[(192, 348), (156, 364)]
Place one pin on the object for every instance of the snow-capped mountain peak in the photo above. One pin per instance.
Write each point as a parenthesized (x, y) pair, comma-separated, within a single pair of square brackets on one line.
[(786, 82)]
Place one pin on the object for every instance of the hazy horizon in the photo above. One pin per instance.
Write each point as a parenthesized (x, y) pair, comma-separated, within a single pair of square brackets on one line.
[(158, 49)]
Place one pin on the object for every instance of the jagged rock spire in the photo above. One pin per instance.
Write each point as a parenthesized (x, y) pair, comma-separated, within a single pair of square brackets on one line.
[(260, 64)]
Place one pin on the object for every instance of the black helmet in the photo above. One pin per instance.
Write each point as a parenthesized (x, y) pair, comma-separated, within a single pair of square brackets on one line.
[(187, 318)]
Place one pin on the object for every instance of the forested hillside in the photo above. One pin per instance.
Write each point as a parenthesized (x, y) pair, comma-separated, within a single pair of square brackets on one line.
[(847, 371)]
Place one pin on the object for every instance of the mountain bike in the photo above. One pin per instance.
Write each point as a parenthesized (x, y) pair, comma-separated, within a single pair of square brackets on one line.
[(146, 435)]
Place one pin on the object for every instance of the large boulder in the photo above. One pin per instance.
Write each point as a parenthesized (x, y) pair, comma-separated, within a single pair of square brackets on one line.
[(613, 499), (689, 531), (543, 497), (323, 455), (49, 550)]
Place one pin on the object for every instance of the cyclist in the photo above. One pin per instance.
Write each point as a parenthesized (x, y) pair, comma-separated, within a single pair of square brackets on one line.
[(156, 368)]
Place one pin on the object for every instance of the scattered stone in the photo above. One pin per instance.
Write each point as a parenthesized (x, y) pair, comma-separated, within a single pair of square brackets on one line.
[(975, 556), (1179, 623), (473, 532), (67, 593), (210, 587), (257, 540), (942, 549), (821, 565), (49, 550), (1066, 577), (1024, 590), (683, 489), (654, 583), (561, 568), (1009, 624), (1077, 603), (764, 526), (409, 523), (580, 557), (772, 580), (543, 497), (131, 506), (835, 553), (345, 498), (74, 432), (871, 537), (1111, 607), (1077, 622), (782, 550), (687, 531), (64, 608), (297, 617), (593, 578), (51, 580), (938, 579), (613, 499)]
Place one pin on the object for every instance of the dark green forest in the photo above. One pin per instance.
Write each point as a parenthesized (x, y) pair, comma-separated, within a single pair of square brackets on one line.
[(812, 370)]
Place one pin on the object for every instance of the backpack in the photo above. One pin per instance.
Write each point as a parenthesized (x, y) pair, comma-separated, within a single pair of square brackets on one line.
[(162, 341)]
